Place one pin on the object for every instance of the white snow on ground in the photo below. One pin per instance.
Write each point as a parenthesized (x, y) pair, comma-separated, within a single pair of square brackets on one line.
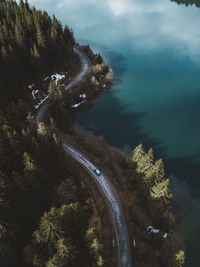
[(34, 92), (57, 77), (77, 105), (165, 235), (104, 85), (83, 95), (102, 76), (152, 230), (41, 101), (46, 78), (31, 86)]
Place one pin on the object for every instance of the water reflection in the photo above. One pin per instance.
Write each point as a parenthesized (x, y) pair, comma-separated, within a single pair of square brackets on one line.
[(141, 24), (188, 2)]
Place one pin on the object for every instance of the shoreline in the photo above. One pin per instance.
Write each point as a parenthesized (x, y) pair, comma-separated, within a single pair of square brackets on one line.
[(114, 204)]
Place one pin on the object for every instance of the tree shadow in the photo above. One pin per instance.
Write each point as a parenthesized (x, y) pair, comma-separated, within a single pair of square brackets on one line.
[(125, 130), (113, 117), (188, 169)]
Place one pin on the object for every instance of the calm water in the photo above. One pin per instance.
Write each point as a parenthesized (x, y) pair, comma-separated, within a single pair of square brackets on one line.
[(154, 49)]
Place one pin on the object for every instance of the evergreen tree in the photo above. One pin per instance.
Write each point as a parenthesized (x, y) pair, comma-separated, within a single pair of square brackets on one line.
[(161, 191), (59, 107), (60, 236), (95, 247), (31, 44), (137, 153), (180, 258)]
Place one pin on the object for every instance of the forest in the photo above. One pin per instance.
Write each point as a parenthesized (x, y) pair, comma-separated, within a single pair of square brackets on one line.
[(32, 44), (37, 229), (45, 208)]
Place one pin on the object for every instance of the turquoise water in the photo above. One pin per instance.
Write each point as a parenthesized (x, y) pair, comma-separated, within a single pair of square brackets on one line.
[(153, 47)]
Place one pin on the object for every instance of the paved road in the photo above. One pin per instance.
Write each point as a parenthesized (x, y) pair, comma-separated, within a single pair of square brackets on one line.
[(85, 65), (124, 254)]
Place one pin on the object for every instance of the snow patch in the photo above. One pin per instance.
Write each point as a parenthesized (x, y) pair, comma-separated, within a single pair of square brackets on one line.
[(41, 101), (57, 77), (152, 230), (46, 78), (104, 85), (34, 92), (83, 95), (31, 86), (165, 235), (78, 104)]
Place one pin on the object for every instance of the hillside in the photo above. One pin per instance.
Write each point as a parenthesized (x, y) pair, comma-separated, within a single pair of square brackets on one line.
[(51, 214), (45, 210), (32, 44)]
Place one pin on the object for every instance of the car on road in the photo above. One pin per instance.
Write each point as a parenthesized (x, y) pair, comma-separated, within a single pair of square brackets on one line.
[(97, 171)]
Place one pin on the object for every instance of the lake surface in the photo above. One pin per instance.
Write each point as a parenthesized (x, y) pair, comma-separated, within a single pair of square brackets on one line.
[(153, 47)]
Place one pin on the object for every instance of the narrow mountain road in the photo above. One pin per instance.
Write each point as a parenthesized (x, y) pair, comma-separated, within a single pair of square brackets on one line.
[(124, 254), (85, 63)]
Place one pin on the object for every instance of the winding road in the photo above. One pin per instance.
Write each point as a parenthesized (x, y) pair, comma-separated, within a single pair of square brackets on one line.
[(124, 254)]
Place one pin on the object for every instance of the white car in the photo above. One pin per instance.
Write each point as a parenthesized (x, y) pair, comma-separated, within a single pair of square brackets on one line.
[(97, 171)]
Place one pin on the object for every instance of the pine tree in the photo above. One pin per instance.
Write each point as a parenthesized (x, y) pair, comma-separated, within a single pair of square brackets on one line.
[(19, 31), (161, 191), (156, 173), (40, 36), (29, 163), (180, 258), (137, 153), (58, 236), (94, 246), (31, 44)]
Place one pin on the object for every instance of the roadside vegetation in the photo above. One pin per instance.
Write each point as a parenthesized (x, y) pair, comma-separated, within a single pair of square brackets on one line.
[(62, 105), (45, 210), (145, 195), (48, 217), (31, 45)]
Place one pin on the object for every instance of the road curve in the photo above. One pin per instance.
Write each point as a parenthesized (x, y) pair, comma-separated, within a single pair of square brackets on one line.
[(85, 63), (124, 254)]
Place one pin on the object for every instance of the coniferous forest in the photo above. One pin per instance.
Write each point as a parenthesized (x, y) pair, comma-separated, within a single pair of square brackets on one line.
[(44, 209), (31, 44)]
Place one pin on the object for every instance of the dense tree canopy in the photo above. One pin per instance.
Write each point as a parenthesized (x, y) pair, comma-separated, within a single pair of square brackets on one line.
[(32, 166), (62, 234), (31, 44), (44, 218)]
